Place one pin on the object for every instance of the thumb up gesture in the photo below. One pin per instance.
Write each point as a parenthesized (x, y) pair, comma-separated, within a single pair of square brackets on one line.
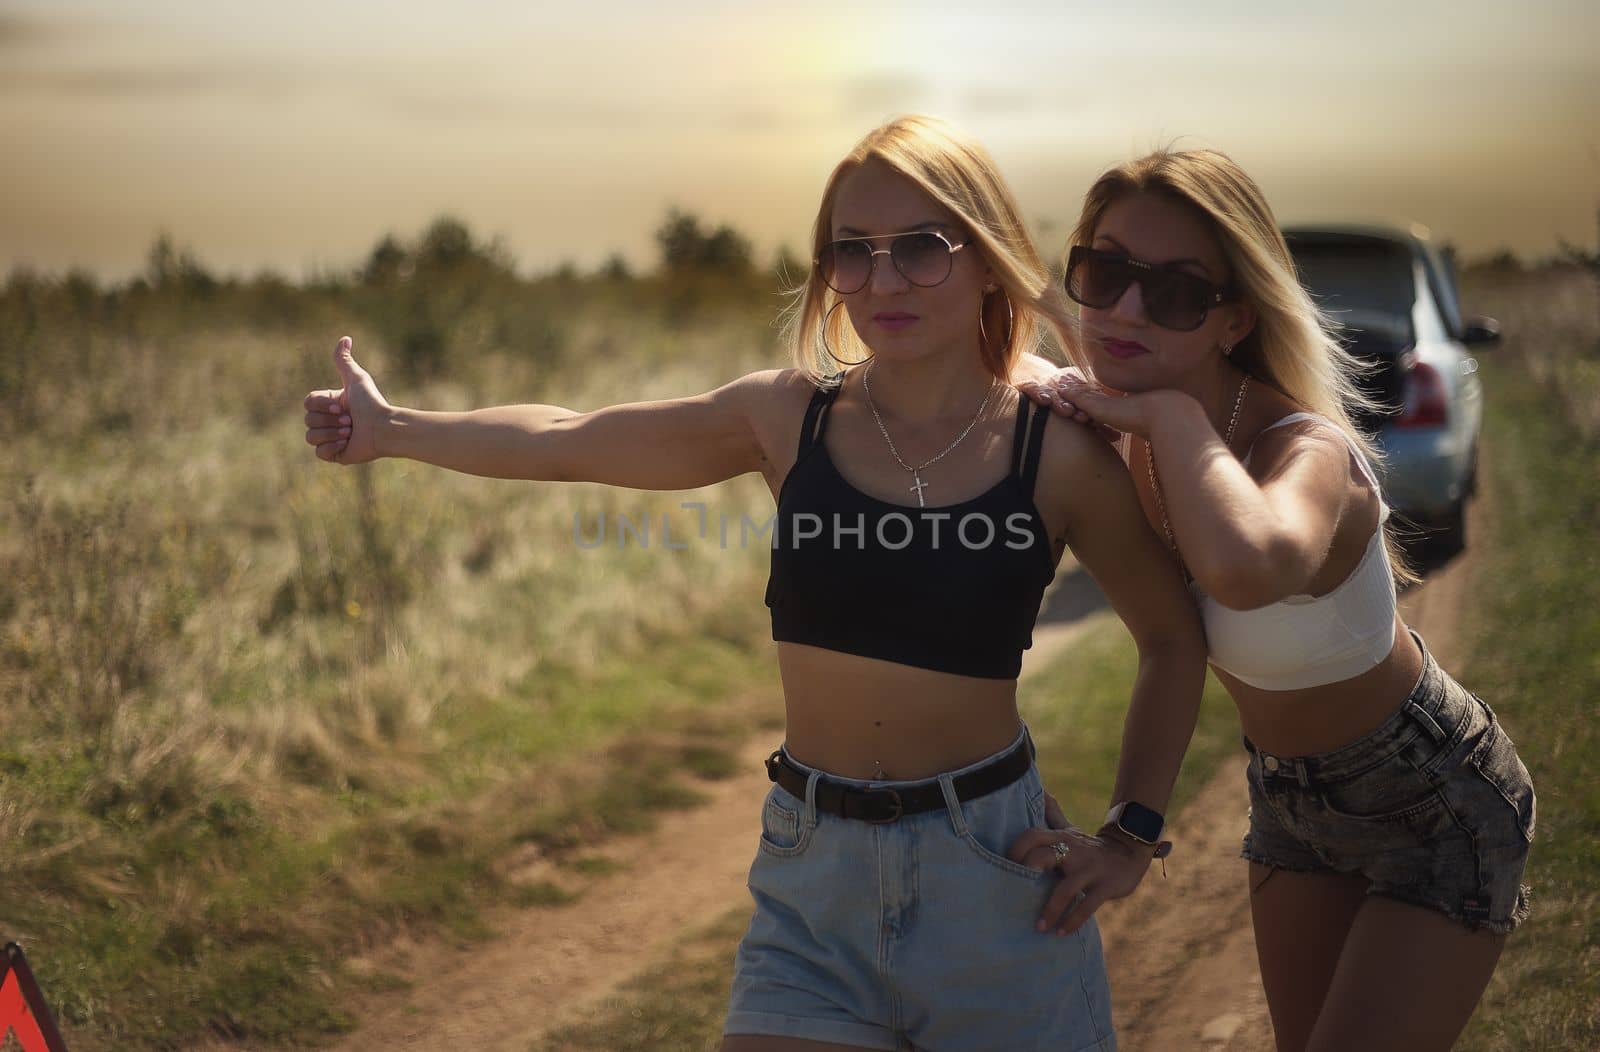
[(343, 424)]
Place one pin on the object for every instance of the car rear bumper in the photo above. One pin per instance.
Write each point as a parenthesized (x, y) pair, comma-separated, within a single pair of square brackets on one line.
[(1426, 471)]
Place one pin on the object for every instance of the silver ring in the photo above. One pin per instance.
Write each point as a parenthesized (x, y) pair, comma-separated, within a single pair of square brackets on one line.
[(1062, 851)]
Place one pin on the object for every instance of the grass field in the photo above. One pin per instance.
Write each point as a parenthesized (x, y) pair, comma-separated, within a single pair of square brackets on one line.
[(257, 713), (1533, 636)]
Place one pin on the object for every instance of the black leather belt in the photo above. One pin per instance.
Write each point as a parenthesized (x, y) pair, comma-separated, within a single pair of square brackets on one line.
[(889, 804)]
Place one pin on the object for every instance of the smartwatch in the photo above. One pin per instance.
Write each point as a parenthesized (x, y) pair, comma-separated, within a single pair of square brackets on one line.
[(1137, 821)]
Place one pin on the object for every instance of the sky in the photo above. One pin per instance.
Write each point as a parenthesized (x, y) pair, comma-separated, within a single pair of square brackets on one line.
[(294, 135)]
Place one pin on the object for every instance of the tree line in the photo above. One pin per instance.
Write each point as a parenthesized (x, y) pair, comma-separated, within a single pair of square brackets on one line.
[(685, 245)]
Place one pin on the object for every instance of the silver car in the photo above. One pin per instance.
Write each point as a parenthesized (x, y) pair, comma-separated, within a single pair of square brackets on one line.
[(1394, 293)]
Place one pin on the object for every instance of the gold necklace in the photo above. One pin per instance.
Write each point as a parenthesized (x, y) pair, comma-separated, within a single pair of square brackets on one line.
[(1155, 484)]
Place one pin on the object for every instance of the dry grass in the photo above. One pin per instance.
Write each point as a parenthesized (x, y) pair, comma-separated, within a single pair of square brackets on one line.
[(1551, 317), (1532, 636), (1534, 639), (257, 710)]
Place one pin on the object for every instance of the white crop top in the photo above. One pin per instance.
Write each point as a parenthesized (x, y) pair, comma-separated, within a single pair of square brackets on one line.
[(1310, 641)]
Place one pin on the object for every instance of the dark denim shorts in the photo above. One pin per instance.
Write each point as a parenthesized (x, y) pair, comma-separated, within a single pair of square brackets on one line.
[(1433, 808)]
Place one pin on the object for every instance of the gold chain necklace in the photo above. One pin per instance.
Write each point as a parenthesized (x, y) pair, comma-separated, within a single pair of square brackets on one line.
[(1155, 484)]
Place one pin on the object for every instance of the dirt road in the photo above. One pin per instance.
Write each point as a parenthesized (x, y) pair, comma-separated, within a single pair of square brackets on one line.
[(1180, 949)]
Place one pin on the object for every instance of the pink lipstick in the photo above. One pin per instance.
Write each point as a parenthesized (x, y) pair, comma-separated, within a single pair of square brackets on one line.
[(1123, 348), (894, 320)]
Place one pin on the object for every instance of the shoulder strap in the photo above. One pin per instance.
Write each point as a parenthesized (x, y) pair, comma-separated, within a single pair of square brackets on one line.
[(1017, 443), (1292, 418), (1030, 459), (816, 419), (1356, 454)]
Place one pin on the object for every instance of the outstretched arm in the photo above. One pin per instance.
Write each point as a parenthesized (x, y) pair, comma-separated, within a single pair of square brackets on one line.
[(676, 443)]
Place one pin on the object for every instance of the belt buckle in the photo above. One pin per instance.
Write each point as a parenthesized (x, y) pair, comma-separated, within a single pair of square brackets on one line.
[(899, 808)]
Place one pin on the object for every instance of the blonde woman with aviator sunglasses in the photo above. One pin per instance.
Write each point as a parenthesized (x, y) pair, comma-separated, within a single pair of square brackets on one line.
[(922, 509)]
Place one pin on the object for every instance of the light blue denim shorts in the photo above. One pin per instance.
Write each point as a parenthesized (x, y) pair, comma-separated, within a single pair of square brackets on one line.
[(917, 933)]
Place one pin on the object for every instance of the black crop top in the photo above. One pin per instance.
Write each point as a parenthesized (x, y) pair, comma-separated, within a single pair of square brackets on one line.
[(953, 588)]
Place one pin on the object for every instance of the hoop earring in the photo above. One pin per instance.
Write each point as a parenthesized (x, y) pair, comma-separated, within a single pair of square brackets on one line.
[(823, 333), (1011, 323)]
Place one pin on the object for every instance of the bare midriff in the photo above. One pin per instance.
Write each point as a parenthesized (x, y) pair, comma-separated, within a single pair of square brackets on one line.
[(1322, 719), (861, 717)]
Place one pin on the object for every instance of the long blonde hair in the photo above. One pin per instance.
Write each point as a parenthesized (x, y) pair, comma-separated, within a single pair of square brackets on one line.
[(1294, 346), (958, 173)]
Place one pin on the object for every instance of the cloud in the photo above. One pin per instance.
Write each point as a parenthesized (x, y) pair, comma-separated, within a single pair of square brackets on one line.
[(20, 31), (161, 83), (552, 112), (1000, 102), (876, 94), (30, 32), (754, 118), (15, 30), (456, 107)]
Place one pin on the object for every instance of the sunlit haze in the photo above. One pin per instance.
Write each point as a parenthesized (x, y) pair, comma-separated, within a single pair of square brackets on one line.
[(293, 135)]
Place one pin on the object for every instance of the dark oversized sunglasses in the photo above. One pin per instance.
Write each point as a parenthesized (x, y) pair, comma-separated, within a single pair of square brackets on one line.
[(923, 257), (1173, 298)]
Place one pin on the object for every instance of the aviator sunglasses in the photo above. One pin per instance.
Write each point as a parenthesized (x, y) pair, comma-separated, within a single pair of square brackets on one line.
[(1173, 298), (923, 257)]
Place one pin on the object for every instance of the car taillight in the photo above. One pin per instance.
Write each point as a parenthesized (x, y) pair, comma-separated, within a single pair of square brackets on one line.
[(1425, 399)]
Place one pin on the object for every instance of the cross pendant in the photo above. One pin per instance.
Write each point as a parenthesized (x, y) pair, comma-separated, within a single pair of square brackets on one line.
[(919, 487)]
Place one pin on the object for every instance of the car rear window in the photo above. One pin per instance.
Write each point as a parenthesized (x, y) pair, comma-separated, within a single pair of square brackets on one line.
[(1364, 284)]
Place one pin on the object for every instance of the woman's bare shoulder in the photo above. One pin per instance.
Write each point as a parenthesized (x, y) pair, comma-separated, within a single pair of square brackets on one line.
[(1079, 471), (1072, 453), (777, 388), (1294, 436), (775, 401)]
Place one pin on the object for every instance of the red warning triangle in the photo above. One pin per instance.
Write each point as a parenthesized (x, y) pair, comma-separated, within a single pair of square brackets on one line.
[(22, 1008)]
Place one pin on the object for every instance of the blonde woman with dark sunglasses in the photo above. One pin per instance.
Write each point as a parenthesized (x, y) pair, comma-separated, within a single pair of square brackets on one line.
[(923, 507), (1390, 816)]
